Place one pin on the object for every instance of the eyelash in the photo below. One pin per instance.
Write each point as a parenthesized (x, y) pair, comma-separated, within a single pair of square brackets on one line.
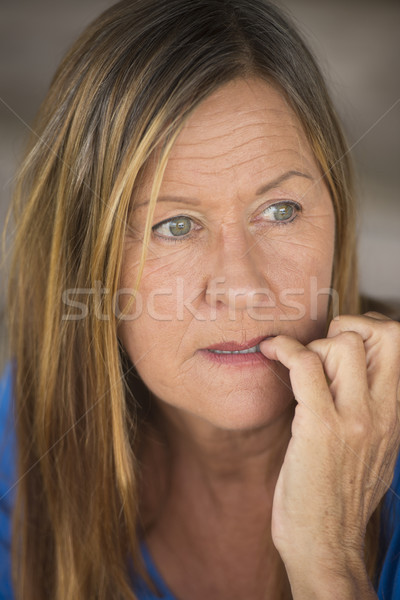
[(182, 238)]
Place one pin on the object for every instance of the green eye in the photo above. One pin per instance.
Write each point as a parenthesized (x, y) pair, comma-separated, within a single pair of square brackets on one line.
[(180, 226), (282, 211), (176, 227)]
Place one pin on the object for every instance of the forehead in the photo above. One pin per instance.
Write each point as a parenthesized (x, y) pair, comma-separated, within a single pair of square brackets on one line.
[(245, 124)]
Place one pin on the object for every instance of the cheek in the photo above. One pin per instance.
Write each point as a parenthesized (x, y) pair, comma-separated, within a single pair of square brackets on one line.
[(156, 321), (299, 271)]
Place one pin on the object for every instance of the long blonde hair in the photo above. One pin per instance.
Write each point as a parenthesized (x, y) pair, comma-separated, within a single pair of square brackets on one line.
[(122, 92)]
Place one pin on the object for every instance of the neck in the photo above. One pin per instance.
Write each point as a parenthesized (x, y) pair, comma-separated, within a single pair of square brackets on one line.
[(217, 499), (224, 457)]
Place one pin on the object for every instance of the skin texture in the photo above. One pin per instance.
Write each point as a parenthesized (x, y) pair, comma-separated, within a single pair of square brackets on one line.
[(228, 426), (240, 139)]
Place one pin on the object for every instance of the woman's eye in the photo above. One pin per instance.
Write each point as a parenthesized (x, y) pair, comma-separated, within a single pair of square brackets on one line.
[(282, 211), (174, 228)]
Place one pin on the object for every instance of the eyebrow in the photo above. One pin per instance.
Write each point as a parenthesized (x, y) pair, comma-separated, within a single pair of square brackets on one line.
[(262, 190), (275, 182), (183, 199)]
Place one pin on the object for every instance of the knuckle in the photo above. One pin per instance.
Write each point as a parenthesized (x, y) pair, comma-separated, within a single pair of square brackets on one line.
[(309, 359), (361, 428), (342, 324), (350, 339)]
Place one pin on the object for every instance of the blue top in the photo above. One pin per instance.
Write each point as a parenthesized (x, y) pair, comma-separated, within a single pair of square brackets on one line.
[(388, 587)]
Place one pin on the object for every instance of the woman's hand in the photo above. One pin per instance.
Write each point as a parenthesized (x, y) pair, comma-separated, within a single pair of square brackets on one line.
[(345, 440)]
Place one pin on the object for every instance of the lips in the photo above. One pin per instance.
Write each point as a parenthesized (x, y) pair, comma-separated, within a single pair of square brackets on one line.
[(235, 346), (237, 356)]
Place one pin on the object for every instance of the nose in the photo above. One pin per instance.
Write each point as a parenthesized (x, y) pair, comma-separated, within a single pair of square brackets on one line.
[(237, 273)]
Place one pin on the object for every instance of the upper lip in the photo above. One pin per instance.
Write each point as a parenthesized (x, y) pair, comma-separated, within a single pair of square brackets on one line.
[(232, 346)]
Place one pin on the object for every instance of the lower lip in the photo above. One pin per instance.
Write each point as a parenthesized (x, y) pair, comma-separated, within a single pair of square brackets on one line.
[(250, 358)]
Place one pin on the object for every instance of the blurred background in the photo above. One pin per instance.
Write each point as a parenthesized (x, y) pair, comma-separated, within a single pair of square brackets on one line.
[(357, 43)]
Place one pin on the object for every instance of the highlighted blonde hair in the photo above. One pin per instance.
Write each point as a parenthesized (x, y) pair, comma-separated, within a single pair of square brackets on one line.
[(121, 95)]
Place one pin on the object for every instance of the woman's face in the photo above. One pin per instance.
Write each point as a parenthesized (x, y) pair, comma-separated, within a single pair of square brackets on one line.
[(241, 249)]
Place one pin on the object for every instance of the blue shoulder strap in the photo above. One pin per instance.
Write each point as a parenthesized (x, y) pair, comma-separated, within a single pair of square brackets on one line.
[(141, 588)]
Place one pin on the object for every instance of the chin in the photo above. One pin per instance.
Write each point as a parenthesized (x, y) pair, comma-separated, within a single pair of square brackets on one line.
[(243, 410), (246, 416)]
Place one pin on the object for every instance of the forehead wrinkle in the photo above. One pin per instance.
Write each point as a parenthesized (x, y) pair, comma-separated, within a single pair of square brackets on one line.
[(269, 143), (228, 132), (257, 138), (223, 169), (299, 150), (262, 158), (223, 154), (236, 130), (274, 132), (215, 115)]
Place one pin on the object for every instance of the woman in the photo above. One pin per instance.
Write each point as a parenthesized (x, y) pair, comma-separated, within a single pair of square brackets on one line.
[(193, 417)]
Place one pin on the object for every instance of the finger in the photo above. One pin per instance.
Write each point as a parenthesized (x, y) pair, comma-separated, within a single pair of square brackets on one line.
[(305, 369), (366, 325), (344, 362), (376, 315), (381, 338)]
